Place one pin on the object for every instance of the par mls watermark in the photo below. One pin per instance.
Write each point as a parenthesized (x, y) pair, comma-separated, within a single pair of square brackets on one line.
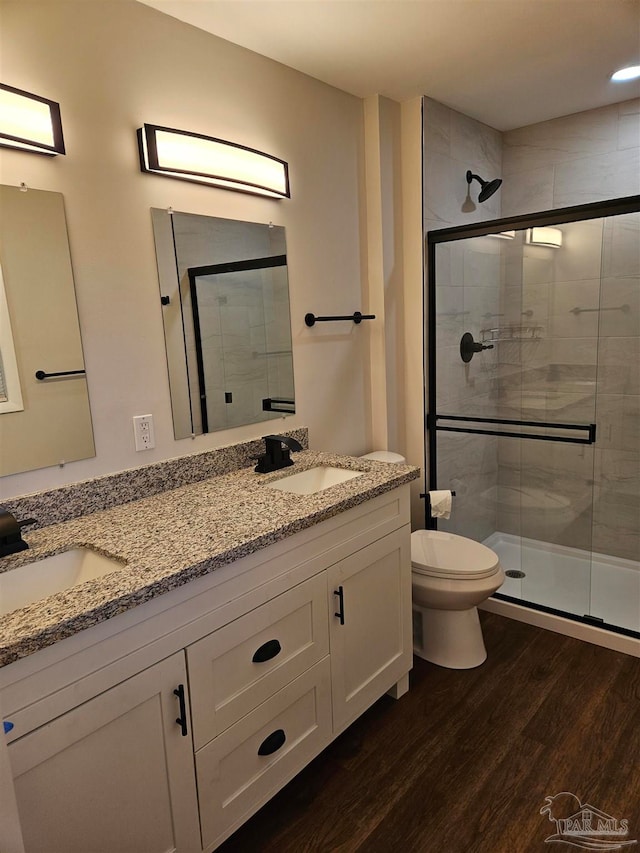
[(584, 825)]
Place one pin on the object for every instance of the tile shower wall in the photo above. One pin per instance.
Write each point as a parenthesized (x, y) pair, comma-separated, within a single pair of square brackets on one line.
[(467, 300), (577, 159)]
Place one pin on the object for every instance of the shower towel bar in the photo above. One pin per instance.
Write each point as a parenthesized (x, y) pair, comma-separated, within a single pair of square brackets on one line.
[(356, 317), (590, 429)]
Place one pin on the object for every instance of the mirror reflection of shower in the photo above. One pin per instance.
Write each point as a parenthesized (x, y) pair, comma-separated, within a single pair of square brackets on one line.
[(488, 188)]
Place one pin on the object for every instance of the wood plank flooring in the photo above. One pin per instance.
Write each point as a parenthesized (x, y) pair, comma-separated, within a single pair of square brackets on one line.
[(464, 761)]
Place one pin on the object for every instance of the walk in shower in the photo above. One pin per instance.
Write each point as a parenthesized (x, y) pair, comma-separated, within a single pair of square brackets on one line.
[(533, 402)]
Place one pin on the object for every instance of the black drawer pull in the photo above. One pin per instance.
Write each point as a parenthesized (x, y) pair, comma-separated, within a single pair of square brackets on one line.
[(272, 743), (267, 651), (182, 719)]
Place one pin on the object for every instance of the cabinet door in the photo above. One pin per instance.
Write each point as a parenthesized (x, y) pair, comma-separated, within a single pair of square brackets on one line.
[(370, 624), (114, 774)]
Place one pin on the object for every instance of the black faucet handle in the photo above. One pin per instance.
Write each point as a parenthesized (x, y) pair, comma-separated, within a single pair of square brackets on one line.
[(11, 540), (27, 521), (287, 440)]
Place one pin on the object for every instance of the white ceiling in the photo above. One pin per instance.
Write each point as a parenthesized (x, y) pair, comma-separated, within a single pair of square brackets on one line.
[(507, 63)]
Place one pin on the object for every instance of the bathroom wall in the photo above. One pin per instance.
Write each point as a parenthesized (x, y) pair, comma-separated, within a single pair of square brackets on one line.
[(467, 298), (114, 66), (577, 159)]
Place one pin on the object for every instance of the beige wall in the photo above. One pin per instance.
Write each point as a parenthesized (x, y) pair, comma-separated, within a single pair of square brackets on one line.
[(115, 65)]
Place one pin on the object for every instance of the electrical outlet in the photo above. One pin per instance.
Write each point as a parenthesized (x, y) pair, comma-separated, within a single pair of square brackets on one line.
[(143, 432)]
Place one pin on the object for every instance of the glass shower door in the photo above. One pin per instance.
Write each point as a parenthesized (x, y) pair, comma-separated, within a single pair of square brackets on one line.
[(513, 406)]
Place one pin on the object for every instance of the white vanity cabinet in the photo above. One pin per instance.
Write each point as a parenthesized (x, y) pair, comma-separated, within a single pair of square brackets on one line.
[(278, 653), (114, 774)]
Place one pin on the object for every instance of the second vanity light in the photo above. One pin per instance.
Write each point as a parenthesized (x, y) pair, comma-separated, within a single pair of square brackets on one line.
[(29, 122), (206, 160)]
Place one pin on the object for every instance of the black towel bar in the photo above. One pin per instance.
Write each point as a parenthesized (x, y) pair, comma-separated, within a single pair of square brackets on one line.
[(356, 317), (40, 374)]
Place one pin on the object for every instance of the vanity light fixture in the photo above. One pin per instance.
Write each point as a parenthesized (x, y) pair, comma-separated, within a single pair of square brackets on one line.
[(545, 237), (29, 122), (206, 160)]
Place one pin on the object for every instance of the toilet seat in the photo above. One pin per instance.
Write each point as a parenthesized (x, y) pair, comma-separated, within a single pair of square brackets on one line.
[(435, 553)]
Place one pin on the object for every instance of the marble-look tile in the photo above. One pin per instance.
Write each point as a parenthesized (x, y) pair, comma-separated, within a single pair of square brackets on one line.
[(566, 296), (450, 316), (538, 265), (580, 256), (477, 145), (627, 172), (582, 351), (618, 419), (619, 365), (437, 127), (443, 196), (535, 304), (586, 180), (527, 191), (561, 140), (620, 307), (629, 124), (621, 246), (617, 475), (481, 304), (616, 529), (481, 265)]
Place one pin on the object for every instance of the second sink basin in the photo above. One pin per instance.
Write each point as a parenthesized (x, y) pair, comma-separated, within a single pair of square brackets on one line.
[(313, 480), (42, 578)]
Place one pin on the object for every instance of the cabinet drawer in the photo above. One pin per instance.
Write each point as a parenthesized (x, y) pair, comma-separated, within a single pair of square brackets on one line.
[(292, 727), (241, 665)]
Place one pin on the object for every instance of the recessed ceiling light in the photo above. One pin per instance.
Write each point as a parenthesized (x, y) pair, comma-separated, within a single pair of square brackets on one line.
[(631, 72)]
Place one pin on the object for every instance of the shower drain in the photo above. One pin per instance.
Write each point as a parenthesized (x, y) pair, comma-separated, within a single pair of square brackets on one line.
[(514, 573)]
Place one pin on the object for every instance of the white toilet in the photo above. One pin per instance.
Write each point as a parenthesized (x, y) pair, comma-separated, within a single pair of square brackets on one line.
[(450, 576)]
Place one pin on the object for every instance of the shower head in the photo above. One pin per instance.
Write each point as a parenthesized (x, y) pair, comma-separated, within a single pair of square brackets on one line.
[(488, 187)]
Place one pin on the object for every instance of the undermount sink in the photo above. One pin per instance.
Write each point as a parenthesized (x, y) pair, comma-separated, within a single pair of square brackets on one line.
[(313, 480), (42, 578)]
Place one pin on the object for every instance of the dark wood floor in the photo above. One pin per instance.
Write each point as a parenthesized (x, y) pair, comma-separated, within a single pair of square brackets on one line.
[(464, 761)]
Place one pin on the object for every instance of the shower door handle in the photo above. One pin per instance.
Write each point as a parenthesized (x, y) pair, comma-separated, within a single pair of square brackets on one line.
[(468, 347)]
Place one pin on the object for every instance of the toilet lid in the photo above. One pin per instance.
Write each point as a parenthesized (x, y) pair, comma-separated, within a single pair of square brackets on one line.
[(445, 555)]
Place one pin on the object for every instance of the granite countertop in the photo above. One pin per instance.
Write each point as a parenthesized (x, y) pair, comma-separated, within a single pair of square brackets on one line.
[(173, 537)]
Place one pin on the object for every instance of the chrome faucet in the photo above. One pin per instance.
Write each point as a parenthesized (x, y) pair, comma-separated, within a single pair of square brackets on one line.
[(278, 448)]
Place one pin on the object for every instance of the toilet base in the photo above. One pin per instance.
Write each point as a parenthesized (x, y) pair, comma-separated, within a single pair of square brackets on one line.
[(449, 638)]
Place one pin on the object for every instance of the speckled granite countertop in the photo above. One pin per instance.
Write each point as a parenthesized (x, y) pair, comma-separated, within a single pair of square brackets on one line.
[(170, 538)]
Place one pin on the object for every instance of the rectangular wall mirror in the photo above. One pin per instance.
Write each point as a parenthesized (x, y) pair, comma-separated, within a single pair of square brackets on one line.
[(44, 403), (225, 302)]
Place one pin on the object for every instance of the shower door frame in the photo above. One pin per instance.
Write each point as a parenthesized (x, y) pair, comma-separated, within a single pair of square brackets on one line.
[(559, 216)]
